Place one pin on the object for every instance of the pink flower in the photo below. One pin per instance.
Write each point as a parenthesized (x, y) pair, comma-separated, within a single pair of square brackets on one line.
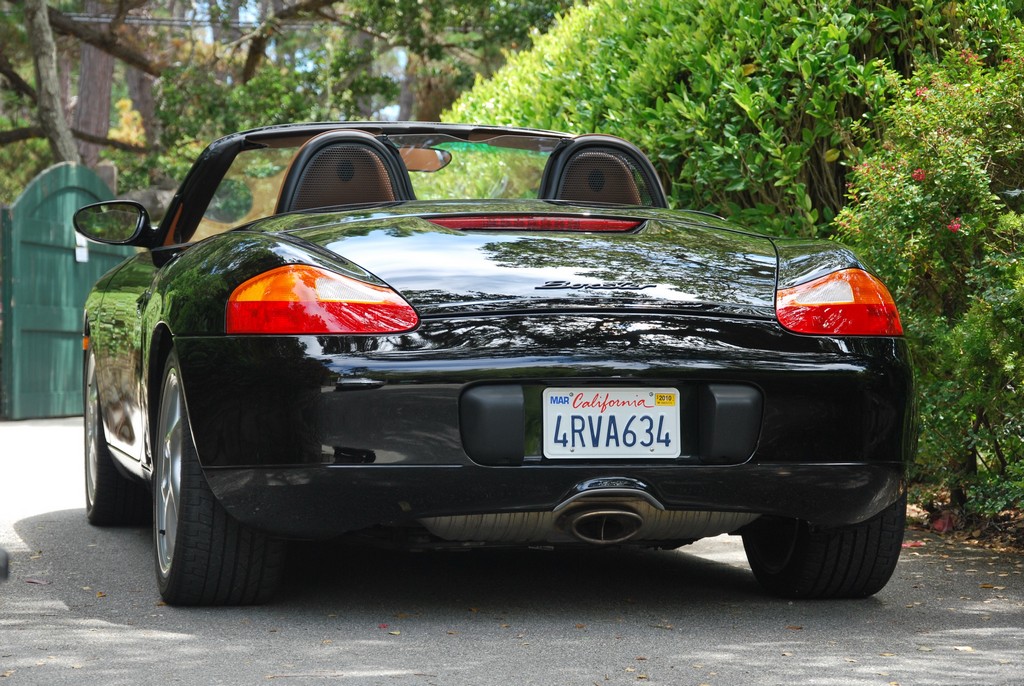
[(954, 225), (921, 92), (918, 175), (969, 57)]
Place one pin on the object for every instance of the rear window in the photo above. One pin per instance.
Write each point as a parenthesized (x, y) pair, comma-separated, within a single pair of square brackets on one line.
[(441, 167)]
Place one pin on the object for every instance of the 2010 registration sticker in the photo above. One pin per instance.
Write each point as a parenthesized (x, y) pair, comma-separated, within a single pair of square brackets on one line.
[(611, 422)]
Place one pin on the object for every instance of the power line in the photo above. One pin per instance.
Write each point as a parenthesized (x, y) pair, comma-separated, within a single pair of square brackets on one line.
[(180, 22)]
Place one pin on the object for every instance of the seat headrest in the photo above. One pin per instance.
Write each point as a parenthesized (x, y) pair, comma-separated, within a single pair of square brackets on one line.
[(344, 168), (604, 169)]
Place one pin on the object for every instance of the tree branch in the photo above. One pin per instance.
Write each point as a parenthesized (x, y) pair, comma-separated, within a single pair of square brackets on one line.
[(23, 134), (123, 8), (18, 84), (259, 36), (107, 41), (33, 132)]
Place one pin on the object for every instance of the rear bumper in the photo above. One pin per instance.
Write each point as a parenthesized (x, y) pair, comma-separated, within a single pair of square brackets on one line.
[(320, 502), (316, 436)]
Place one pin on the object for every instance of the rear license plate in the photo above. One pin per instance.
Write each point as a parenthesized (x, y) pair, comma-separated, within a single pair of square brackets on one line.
[(611, 422)]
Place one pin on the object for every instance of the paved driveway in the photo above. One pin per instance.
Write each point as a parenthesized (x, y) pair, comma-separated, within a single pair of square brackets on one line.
[(81, 607)]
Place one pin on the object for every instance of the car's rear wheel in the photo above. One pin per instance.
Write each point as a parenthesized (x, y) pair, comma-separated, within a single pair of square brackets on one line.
[(794, 560), (111, 498), (203, 556)]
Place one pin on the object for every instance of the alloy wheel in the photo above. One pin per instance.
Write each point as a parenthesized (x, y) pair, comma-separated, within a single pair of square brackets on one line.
[(92, 458), (168, 478)]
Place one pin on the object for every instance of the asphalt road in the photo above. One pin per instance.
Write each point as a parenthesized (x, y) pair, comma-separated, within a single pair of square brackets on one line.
[(81, 607)]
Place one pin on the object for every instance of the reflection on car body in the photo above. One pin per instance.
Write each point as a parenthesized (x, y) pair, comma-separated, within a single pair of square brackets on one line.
[(448, 336)]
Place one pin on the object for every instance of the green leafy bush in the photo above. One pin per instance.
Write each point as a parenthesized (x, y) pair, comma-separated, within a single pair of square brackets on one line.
[(933, 211), (782, 113), (747, 107)]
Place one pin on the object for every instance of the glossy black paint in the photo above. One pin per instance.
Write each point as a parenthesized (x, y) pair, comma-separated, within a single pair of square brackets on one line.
[(312, 436), (264, 407), (288, 387), (321, 502)]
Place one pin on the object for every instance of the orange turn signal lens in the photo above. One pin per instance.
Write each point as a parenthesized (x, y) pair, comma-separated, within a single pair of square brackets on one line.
[(850, 302), (300, 299)]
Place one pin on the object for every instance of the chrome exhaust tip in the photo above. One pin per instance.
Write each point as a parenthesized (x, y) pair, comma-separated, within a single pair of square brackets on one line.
[(605, 527)]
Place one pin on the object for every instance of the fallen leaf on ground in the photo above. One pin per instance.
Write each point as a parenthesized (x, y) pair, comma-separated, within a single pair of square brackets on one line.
[(946, 521), (794, 627), (913, 544), (963, 649), (37, 582)]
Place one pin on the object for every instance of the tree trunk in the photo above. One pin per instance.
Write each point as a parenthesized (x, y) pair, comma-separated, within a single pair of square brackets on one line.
[(92, 113), (407, 94), (365, 105), (224, 21), (434, 94), (140, 90), (44, 55)]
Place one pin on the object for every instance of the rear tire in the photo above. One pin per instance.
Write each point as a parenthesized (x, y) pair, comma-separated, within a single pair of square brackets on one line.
[(203, 556), (792, 560), (111, 499)]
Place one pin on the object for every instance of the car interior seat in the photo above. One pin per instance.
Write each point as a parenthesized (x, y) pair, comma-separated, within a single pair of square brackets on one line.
[(344, 168), (603, 169)]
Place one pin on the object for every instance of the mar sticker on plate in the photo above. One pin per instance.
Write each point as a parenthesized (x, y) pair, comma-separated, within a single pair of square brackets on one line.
[(611, 422)]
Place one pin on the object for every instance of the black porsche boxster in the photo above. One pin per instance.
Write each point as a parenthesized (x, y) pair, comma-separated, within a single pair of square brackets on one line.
[(438, 336)]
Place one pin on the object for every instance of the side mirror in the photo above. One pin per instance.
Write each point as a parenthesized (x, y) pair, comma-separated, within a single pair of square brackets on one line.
[(118, 222)]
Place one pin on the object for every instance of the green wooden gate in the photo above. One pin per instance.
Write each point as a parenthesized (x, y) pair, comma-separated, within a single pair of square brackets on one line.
[(45, 275)]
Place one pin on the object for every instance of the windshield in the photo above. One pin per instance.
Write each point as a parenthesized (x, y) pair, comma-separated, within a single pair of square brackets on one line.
[(499, 167), (441, 167)]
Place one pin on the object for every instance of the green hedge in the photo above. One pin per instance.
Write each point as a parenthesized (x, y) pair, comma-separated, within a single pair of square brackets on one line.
[(749, 108), (936, 211), (902, 123)]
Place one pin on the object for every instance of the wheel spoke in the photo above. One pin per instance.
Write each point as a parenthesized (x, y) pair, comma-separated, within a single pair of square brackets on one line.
[(169, 473), (91, 436)]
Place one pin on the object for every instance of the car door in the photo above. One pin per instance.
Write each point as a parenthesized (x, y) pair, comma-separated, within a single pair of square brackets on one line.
[(117, 341)]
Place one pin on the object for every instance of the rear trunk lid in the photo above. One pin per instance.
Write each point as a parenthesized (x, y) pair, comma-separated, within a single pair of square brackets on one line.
[(672, 262)]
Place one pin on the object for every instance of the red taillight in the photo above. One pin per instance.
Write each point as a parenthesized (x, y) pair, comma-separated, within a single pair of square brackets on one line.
[(299, 299), (524, 222), (850, 302)]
